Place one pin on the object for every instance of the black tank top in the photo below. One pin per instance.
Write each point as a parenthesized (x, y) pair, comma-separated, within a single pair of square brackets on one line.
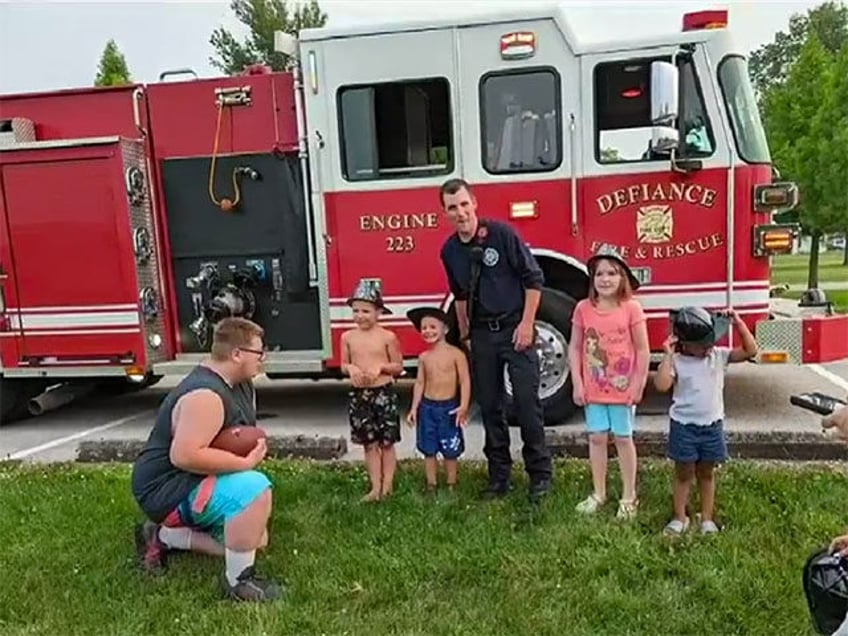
[(157, 484)]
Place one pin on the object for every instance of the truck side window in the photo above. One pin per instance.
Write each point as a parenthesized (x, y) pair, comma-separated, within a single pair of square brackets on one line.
[(395, 130), (623, 113), (521, 121)]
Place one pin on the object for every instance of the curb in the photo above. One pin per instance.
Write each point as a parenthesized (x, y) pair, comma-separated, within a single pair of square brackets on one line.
[(286, 447), (740, 445)]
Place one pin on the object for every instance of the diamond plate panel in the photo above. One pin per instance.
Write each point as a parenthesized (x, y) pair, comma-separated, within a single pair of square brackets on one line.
[(781, 335), (137, 191)]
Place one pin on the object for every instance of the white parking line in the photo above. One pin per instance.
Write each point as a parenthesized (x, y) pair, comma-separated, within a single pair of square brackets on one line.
[(21, 454), (842, 383)]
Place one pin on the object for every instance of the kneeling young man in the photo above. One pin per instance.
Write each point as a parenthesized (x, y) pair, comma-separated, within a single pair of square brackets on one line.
[(206, 499)]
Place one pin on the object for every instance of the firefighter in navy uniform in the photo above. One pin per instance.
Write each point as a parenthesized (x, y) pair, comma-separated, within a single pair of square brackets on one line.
[(496, 283)]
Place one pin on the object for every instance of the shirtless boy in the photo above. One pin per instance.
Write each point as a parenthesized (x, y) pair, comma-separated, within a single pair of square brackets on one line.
[(436, 408), (371, 357)]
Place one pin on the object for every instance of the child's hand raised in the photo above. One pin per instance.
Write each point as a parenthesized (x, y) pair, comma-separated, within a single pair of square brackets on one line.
[(669, 344), (732, 315)]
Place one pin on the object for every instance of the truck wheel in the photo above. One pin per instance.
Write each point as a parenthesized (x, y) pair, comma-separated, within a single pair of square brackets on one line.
[(15, 396), (553, 326)]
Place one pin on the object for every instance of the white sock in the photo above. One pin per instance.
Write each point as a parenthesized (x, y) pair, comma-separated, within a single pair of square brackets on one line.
[(237, 562), (175, 538)]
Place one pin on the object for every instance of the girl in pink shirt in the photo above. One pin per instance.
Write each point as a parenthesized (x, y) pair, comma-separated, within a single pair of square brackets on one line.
[(609, 356)]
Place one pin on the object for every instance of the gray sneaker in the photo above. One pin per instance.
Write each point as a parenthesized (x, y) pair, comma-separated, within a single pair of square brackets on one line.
[(251, 587)]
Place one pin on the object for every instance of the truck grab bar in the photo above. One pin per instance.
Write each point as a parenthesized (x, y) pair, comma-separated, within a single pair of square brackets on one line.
[(138, 93), (176, 71), (302, 154), (572, 136)]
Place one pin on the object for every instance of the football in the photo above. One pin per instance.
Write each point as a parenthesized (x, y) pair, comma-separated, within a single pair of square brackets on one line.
[(239, 440)]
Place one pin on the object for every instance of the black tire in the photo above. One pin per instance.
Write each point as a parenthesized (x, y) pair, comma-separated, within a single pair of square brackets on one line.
[(553, 318), (15, 396)]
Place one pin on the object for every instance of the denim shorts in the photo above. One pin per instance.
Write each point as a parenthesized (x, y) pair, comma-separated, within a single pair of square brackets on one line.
[(605, 418), (231, 494), (691, 443)]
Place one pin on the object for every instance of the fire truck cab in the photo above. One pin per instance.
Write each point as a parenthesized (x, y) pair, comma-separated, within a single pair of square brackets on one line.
[(272, 194)]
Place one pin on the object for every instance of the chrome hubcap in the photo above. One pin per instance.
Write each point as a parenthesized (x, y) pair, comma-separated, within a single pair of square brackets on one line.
[(552, 349)]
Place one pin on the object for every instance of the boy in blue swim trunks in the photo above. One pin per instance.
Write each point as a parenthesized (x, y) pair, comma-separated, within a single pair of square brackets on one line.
[(695, 367), (441, 397)]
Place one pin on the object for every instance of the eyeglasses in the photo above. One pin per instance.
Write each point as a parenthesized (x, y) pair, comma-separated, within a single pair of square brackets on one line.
[(260, 352)]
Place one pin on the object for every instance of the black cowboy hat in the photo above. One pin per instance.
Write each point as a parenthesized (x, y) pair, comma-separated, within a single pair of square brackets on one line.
[(417, 315), (610, 251)]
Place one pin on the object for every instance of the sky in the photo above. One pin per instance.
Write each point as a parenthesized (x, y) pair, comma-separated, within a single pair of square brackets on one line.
[(56, 44)]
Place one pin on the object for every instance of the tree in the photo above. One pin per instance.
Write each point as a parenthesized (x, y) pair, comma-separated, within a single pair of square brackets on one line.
[(800, 79), (112, 70), (770, 64), (262, 17), (833, 157), (801, 133)]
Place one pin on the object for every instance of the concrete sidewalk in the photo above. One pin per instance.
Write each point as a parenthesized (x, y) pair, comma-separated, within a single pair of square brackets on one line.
[(797, 438)]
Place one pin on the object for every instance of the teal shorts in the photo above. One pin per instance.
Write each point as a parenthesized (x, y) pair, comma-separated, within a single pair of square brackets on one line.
[(231, 495), (606, 418)]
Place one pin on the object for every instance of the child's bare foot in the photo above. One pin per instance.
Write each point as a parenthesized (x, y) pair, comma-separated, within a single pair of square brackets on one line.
[(386, 494), (373, 495)]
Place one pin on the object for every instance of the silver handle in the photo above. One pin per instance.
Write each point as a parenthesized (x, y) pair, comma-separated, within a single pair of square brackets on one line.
[(571, 137), (136, 97)]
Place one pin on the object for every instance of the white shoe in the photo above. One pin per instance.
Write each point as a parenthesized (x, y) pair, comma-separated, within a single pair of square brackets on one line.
[(708, 527), (590, 505), (675, 527)]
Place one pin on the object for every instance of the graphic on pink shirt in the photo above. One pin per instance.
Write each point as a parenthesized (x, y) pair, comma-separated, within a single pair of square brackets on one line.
[(608, 352)]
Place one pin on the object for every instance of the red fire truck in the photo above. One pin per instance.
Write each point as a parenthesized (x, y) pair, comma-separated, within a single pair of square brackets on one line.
[(133, 218)]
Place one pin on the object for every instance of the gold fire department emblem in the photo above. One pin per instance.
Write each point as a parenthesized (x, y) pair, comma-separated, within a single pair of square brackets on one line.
[(654, 224)]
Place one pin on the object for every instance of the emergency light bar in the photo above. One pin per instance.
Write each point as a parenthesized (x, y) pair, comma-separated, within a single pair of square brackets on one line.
[(705, 20), (774, 239), (775, 196), (518, 45)]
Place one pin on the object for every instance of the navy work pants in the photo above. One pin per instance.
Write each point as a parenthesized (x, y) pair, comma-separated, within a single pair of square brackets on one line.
[(491, 348)]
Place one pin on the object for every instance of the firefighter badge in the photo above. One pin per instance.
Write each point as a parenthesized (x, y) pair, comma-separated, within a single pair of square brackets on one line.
[(491, 257), (654, 224)]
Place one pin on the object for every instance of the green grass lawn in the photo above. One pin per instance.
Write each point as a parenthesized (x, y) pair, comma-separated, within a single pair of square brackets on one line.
[(793, 268), (455, 565)]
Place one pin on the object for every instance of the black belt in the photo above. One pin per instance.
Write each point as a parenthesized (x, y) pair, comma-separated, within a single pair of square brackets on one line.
[(496, 323)]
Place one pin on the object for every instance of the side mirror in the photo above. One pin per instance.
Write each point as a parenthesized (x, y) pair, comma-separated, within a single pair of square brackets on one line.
[(285, 43), (664, 107)]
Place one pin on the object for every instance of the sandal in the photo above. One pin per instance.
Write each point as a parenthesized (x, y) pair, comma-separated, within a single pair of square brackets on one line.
[(676, 527), (708, 527), (627, 508)]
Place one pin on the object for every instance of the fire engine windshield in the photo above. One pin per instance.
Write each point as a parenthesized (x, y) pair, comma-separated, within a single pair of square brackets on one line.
[(742, 110)]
